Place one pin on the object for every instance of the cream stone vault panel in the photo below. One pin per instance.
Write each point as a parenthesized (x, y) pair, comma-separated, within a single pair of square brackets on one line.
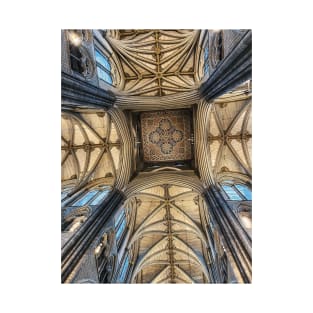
[(165, 135), (156, 62)]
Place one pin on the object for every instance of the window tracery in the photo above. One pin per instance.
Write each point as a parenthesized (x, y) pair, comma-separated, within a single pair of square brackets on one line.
[(85, 198), (236, 191), (120, 225), (123, 270), (77, 213), (103, 67)]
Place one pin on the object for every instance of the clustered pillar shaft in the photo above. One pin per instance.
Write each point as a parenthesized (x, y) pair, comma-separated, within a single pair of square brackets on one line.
[(235, 69), (75, 248), (236, 238)]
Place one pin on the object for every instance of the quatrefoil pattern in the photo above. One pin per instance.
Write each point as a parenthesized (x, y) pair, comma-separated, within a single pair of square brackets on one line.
[(166, 136)]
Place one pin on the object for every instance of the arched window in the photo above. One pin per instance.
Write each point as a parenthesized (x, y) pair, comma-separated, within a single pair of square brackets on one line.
[(92, 197), (120, 225), (237, 191), (86, 198), (75, 215), (245, 191), (206, 60), (100, 197), (123, 270), (103, 67)]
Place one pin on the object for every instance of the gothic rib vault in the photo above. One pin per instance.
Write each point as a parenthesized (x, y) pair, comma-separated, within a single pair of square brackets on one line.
[(156, 62), (90, 147), (162, 146), (170, 239), (166, 135)]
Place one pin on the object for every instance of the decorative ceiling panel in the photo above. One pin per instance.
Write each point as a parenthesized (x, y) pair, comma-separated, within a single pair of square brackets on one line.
[(156, 62), (166, 135)]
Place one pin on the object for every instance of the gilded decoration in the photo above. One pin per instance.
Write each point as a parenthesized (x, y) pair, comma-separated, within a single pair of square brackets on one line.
[(165, 135)]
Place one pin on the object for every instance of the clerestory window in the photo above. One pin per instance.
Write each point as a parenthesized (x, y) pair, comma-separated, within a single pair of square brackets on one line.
[(76, 213), (103, 67), (120, 225), (92, 197), (237, 192), (123, 271)]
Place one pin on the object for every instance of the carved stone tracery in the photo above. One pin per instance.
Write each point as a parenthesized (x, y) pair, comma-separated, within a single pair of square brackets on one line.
[(166, 135)]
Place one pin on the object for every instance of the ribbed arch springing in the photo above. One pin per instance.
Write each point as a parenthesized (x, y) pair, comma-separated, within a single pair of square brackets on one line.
[(165, 234)]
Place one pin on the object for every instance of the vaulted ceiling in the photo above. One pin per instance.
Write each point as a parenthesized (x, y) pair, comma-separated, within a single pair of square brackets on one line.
[(230, 132), (90, 148), (169, 236), (156, 62)]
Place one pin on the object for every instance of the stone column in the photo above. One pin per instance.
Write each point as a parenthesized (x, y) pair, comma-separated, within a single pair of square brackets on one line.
[(237, 240), (70, 198), (77, 246), (78, 93), (233, 70)]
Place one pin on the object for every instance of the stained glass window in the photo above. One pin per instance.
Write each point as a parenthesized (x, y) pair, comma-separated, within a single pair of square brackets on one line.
[(237, 191), (103, 67), (231, 193), (119, 218), (120, 229), (88, 196), (244, 190), (123, 271), (101, 196), (120, 224)]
